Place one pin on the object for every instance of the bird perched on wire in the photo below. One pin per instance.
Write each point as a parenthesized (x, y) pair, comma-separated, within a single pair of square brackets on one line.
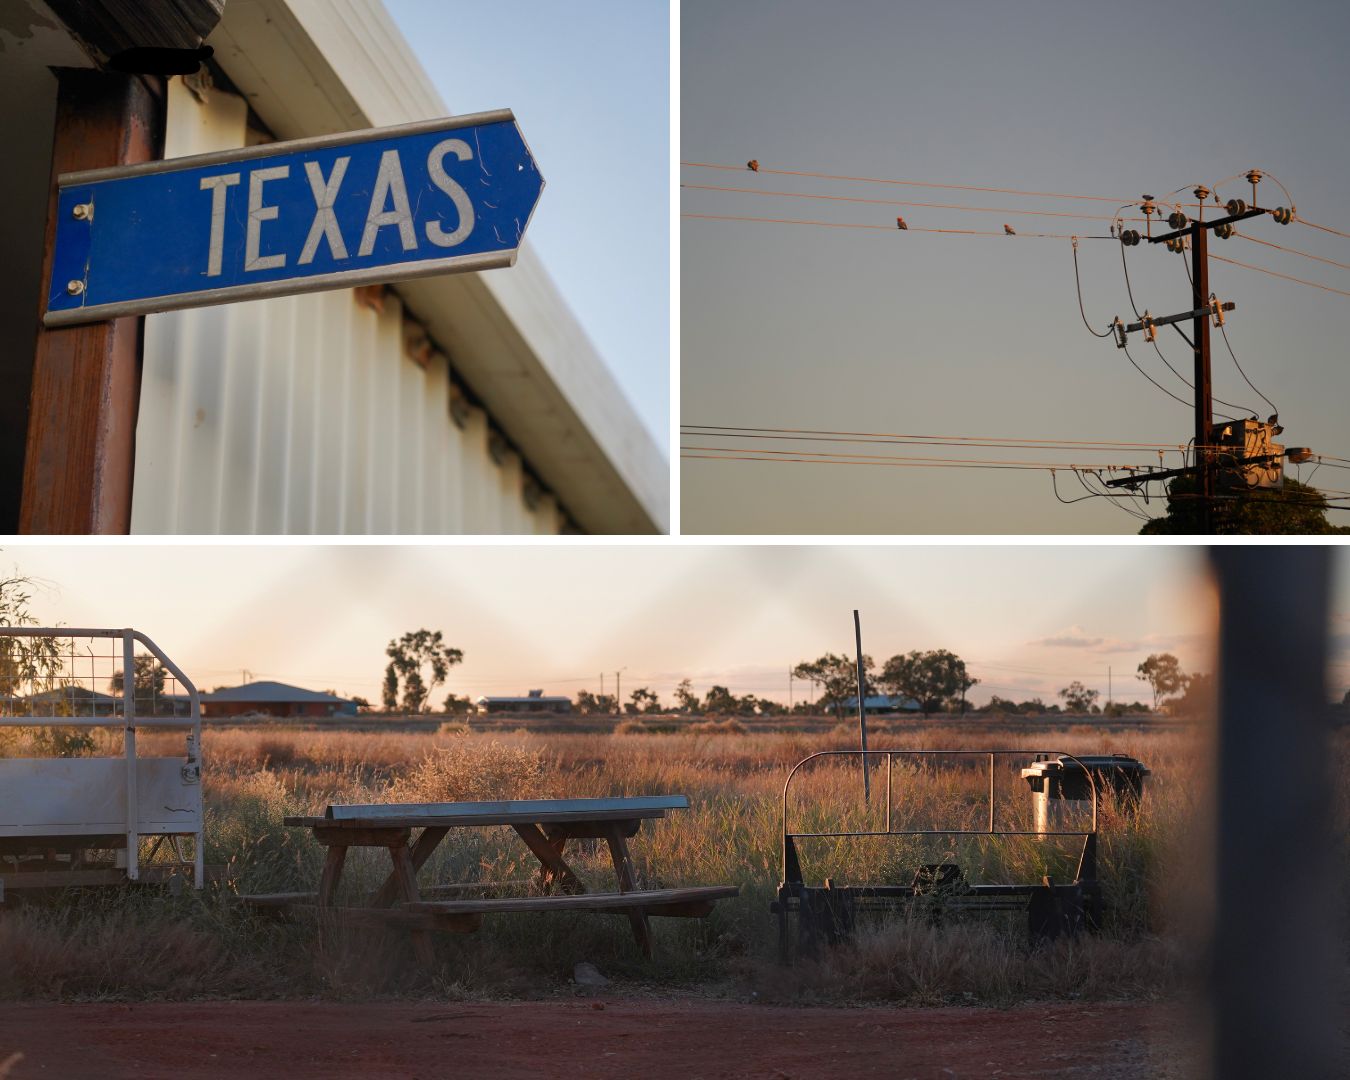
[(900, 223), (1009, 230), (753, 165)]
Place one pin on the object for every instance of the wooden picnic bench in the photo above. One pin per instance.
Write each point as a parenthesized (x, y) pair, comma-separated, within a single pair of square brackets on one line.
[(545, 825)]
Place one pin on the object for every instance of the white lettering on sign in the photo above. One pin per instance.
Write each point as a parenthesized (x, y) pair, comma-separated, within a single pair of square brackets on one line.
[(389, 182), (436, 167), (325, 221), (388, 206), (216, 185), (257, 214)]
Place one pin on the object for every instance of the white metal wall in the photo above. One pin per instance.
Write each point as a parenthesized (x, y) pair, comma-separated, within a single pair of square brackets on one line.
[(306, 414)]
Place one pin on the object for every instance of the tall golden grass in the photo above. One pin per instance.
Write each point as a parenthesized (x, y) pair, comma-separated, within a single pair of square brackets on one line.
[(152, 943)]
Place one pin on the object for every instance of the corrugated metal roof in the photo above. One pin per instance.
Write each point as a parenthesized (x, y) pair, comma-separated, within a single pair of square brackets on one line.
[(272, 693), (882, 701)]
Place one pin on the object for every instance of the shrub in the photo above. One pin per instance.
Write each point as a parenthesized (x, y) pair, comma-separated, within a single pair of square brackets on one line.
[(470, 770), (729, 726)]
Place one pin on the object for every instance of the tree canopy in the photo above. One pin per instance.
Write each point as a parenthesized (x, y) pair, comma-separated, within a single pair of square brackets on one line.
[(419, 662), (837, 677), (1162, 671), (1298, 508), (931, 678), (1078, 698)]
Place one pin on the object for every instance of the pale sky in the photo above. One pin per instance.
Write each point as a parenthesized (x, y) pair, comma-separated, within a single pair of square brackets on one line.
[(909, 332), (590, 86), (1028, 620)]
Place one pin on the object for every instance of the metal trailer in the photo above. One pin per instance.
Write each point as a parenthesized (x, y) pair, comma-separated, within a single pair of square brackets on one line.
[(826, 913), (60, 815)]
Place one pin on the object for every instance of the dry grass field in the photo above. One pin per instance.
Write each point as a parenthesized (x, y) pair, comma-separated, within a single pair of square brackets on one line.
[(152, 944)]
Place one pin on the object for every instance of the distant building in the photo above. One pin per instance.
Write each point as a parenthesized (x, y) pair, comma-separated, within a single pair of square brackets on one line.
[(274, 699), (533, 702), (881, 704), (71, 701)]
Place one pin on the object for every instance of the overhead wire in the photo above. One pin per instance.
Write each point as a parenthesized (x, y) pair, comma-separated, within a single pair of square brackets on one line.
[(885, 459), (899, 202), (1150, 378), (1325, 228), (1080, 443), (1078, 284), (889, 228), (1224, 331), (1276, 273), (906, 183), (1291, 251)]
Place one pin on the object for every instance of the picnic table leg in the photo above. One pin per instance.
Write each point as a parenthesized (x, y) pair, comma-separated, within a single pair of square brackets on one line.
[(333, 863), (554, 868), (406, 876), (421, 851), (623, 870)]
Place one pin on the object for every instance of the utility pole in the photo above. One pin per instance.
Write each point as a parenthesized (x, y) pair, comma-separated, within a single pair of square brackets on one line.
[(618, 693), (1109, 687), (789, 690), (1204, 391), (1203, 309)]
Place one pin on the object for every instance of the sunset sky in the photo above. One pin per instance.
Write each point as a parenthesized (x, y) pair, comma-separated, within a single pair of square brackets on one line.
[(1028, 620)]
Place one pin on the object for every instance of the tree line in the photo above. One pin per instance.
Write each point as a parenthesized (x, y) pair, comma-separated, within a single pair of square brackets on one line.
[(928, 682)]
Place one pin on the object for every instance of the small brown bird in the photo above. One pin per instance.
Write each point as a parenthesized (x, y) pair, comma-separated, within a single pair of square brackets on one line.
[(1009, 230), (900, 223), (753, 165)]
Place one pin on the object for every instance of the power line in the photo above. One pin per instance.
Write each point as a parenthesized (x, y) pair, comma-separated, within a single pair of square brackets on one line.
[(1248, 381), (1151, 379), (892, 228), (907, 183), (1274, 273), (901, 202), (1082, 443), (1324, 228), (1079, 285), (915, 442), (1291, 251), (904, 459)]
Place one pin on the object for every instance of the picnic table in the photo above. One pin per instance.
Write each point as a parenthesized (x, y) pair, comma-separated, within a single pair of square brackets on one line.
[(545, 825)]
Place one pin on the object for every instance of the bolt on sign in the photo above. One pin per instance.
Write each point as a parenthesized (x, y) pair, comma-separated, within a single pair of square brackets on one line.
[(330, 212)]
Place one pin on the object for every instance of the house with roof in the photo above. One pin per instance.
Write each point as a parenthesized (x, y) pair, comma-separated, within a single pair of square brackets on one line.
[(882, 704), (534, 702), (274, 699)]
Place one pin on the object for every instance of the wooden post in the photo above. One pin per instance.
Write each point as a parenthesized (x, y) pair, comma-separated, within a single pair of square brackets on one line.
[(86, 379)]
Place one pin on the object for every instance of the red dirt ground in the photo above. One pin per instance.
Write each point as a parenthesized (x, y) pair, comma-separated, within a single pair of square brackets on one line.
[(602, 1039)]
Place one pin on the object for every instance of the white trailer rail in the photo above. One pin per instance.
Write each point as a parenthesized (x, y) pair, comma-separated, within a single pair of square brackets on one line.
[(57, 812)]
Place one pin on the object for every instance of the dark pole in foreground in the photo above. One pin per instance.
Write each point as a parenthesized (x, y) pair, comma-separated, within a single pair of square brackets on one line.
[(1276, 949), (1204, 391), (862, 706)]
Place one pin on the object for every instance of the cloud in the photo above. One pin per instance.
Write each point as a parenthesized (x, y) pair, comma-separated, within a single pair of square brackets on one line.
[(1073, 637)]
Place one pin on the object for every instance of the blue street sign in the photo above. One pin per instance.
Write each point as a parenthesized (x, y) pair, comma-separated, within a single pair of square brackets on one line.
[(330, 212)]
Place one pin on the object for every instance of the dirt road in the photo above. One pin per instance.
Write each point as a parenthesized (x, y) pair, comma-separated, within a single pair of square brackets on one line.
[(691, 1040)]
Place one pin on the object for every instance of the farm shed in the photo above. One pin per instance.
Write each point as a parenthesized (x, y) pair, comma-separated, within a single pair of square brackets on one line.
[(274, 699), (462, 403), (533, 702)]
